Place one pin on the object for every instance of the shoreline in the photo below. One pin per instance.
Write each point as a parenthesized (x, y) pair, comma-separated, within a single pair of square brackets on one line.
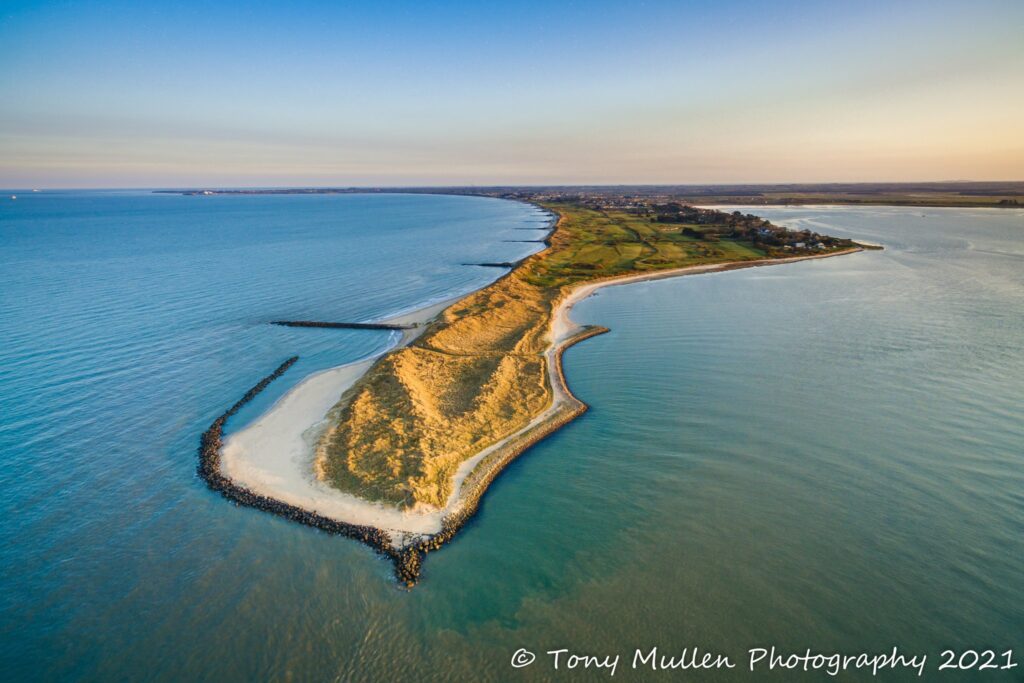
[(476, 474), (271, 459), (273, 456)]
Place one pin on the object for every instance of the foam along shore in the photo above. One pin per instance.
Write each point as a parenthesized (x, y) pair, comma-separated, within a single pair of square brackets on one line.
[(273, 456)]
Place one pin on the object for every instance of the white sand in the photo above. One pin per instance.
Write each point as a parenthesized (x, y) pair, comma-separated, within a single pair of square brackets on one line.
[(273, 456)]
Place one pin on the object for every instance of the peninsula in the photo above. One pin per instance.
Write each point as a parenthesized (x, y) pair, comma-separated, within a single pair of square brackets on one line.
[(403, 458), (479, 373)]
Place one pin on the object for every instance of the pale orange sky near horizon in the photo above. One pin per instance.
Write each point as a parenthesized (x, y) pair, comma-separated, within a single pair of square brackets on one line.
[(694, 93)]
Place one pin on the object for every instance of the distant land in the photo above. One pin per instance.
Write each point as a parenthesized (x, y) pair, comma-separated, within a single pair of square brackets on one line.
[(1002, 194)]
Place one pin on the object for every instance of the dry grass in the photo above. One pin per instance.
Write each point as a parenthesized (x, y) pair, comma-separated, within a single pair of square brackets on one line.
[(478, 374), (473, 378)]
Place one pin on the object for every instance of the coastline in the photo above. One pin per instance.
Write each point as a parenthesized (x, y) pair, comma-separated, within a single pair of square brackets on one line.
[(477, 473), (273, 455), (272, 458)]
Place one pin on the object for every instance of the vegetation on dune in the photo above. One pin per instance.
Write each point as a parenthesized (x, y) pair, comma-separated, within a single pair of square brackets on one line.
[(478, 374)]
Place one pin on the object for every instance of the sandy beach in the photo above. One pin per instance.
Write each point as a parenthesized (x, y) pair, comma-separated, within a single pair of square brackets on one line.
[(273, 456)]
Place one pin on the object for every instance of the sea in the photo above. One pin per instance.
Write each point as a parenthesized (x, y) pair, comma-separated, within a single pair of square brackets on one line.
[(824, 457)]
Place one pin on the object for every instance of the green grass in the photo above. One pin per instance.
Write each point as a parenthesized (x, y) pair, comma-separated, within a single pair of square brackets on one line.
[(594, 243)]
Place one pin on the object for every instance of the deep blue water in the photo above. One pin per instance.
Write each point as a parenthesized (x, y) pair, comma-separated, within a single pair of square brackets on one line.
[(827, 454)]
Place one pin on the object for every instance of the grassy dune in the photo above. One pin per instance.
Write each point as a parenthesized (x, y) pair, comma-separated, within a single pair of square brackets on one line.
[(478, 373)]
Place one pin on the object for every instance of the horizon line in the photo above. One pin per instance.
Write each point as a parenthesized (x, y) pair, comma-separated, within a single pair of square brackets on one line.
[(522, 185)]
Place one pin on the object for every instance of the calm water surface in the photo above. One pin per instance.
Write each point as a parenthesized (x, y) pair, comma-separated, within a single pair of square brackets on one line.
[(826, 454)]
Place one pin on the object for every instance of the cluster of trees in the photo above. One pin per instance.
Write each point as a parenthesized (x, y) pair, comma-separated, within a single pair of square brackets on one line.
[(737, 225)]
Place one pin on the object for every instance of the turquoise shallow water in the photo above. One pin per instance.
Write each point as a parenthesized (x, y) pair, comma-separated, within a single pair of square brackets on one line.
[(825, 454)]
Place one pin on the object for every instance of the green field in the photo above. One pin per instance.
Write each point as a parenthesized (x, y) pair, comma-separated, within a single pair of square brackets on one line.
[(596, 243)]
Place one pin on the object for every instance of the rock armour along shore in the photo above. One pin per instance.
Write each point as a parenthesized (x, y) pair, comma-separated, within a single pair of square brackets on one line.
[(210, 444), (408, 560)]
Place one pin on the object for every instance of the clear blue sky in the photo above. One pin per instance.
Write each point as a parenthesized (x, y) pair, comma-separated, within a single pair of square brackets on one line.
[(119, 94)]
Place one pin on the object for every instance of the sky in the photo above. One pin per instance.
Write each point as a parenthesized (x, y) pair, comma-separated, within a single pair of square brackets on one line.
[(303, 93)]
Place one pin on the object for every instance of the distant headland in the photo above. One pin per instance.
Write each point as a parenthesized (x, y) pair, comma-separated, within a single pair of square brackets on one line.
[(1002, 194)]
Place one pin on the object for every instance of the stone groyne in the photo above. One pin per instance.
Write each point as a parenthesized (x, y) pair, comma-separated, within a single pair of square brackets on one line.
[(343, 326), (498, 264), (210, 444)]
